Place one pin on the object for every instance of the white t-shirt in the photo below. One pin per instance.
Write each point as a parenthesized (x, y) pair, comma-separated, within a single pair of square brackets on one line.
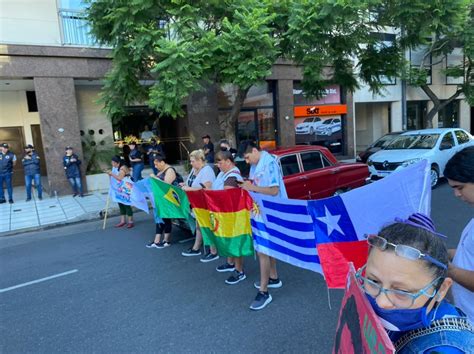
[(464, 259), (206, 174)]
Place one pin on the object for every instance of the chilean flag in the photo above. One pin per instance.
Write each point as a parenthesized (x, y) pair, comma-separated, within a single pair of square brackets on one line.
[(341, 223)]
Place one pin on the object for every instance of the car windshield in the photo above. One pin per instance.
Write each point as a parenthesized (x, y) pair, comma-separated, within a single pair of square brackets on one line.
[(327, 121), (308, 120), (422, 141), (384, 141)]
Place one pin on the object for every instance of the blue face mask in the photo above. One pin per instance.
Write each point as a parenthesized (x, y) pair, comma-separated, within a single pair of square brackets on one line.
[(402, 319)]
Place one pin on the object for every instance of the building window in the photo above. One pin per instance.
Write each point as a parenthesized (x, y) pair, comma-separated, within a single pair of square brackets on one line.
[(455, 59), (448, 116), (416, 114), (385, 40), (416, 57)]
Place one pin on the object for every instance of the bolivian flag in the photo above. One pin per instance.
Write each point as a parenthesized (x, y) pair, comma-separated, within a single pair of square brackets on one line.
[(171, 202), (224, 220)]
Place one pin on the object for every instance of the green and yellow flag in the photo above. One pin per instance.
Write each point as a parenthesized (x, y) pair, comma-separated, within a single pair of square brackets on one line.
[(224, 220), (171, 202)]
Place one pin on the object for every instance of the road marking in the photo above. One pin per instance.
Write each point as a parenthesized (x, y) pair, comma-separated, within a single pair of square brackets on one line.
[(38, 280)]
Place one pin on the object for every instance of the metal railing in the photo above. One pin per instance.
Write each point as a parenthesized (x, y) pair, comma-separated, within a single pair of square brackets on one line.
[(75, 30)]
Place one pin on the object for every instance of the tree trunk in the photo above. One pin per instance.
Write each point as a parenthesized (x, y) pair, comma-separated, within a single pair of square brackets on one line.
[(437, 104), (229, 123)]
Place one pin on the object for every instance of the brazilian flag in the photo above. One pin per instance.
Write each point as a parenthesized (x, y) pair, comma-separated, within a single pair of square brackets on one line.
[(171, 202)]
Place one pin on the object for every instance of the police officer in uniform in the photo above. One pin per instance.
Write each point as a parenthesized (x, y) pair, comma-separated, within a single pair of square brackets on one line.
[(7, 161), (31, 165), (72, 167)]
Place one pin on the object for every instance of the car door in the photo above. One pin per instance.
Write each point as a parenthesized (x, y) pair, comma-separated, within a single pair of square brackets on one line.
[(445, 150), (295, 181), (320, 177)]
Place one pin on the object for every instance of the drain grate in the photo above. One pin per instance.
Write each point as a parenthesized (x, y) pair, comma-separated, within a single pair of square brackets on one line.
[(52, 206), (15, 210)]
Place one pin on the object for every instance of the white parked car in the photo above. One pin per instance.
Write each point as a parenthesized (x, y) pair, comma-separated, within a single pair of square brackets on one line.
[(308, 126), (329, 127), (435, 145)]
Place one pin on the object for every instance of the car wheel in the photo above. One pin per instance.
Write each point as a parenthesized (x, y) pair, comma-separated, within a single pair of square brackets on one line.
[(434, 176)]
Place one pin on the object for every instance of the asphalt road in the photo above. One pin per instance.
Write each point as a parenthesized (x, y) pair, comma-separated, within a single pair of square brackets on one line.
[(127, 298)]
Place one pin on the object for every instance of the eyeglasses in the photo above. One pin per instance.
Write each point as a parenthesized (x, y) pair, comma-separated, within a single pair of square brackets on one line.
[(403, 251), (398, 298)]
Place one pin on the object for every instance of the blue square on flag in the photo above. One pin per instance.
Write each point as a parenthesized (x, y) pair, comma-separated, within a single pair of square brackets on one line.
[(331, 221)]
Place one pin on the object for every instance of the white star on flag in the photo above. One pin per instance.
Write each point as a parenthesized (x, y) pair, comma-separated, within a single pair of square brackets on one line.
[(331, 221)]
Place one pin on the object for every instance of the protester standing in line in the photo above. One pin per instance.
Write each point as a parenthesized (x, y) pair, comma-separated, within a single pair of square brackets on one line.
[(406, 281), (265, 177), (460, 174), (202, 175), (208, 148), (119, 172), (31, 165), (7, 162), (167, 174), (72, 167), (136, 160), (228, 178)]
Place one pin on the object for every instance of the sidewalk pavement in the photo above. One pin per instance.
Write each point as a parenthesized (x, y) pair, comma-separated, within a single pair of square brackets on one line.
[(23, 215)]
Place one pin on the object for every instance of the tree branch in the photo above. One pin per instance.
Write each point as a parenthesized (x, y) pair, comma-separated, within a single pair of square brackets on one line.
[(426, 89)]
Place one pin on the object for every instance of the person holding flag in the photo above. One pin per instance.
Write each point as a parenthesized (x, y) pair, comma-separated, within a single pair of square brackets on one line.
[(166, 174), (229, 178), (202, 176), (119, 172), (266, 178), (406, 281), (460, 174)]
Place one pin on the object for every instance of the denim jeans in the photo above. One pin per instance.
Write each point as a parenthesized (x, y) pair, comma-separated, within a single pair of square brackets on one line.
[(28, 180), (7, 177), (76, 185), (137, 172)]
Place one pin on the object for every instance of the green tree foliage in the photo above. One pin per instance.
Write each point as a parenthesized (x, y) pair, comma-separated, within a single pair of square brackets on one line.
[(437, 29), (182, 46)]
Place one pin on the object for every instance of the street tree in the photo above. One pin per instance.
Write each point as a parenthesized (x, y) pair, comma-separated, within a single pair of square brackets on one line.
[(436, 30), (182, 46)]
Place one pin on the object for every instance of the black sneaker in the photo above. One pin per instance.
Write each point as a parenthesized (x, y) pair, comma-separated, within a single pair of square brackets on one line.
[(28, 199), (209, 258), (226, 267), (10, 201), (235, 278), (151, 245), (190, 252), (3, 201), (272, 283), (163, 244), (261, 300)]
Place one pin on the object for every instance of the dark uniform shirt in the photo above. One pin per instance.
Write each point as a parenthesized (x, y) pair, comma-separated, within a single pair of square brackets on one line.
[(6, 162), (135, 154), (31, 165), (72, 168)]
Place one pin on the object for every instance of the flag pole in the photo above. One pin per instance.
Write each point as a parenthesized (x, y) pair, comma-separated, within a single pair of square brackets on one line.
[(106, 210)]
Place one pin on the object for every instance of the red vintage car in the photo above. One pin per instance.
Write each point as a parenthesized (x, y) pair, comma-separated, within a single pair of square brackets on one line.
[(312, 172)]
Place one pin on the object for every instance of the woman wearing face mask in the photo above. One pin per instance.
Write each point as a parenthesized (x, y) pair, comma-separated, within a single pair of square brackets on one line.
[(405, 280)]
